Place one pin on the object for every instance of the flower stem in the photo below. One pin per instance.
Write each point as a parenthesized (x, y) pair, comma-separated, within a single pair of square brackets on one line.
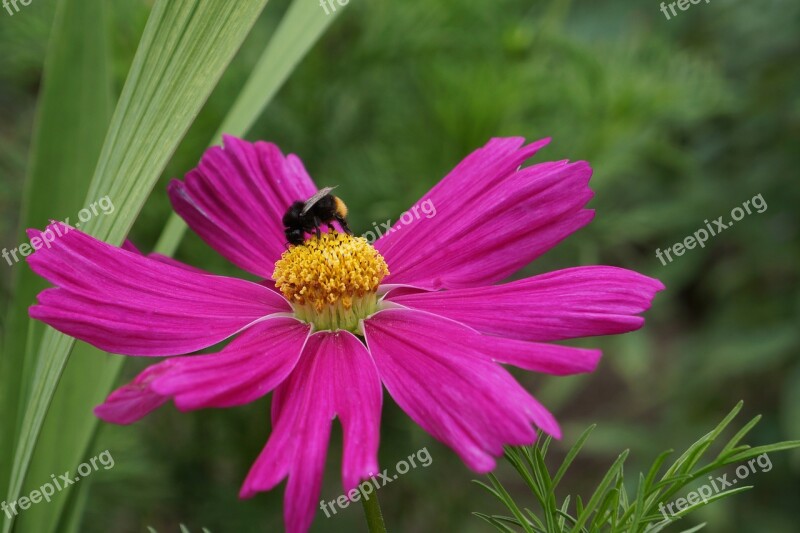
[(372, 510)]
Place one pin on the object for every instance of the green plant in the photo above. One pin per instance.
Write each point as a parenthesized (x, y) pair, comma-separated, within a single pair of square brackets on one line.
[(611, 508)]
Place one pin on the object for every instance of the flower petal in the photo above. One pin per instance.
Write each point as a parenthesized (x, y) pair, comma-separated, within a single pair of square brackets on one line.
[(490, 218), (435, 371), (565, 304), (133, 401), (122, 302), (129, 246), (539, 357), (335, 377), (236, 197), (251, 366)]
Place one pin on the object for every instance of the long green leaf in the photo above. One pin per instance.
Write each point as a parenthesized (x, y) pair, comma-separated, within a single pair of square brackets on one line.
[(72, 118), (301, 27), (86, 23), (184, 51)]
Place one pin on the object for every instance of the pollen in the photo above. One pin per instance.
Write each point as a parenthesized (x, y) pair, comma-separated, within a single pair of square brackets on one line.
[(331, 280)]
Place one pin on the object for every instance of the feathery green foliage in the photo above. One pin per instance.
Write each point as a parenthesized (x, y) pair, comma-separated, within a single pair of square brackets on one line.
[(610, 507)]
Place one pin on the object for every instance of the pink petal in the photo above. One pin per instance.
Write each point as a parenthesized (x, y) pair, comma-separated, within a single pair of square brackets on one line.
[(491, 218), (437, 373), (174, 262), (235, 199), (335, 377), (538, 357), (122, 302), (133, 401), (129, 246), (565, 304), (251, 366)]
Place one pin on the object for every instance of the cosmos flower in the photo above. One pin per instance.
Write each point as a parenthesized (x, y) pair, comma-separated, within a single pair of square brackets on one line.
[(424, 313)]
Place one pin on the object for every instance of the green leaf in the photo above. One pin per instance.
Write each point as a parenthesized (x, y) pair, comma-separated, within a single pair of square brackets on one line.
[(549, 508), (301, 27), (495, 522), (573, 452), (594, 501), (641, 491), (739, 436), (609, 508), (564, 514), (72, 117), (509, 502), (654, 469), (515, 457), (701, 445), (695, 528), (183, 52), (712, 499), (758, 450), (602, 515)]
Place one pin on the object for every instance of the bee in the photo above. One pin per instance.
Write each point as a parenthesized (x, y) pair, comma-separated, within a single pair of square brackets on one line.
[(309, 216)]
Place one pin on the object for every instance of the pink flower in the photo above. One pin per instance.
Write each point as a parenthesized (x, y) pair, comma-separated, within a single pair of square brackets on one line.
[(330, 325)]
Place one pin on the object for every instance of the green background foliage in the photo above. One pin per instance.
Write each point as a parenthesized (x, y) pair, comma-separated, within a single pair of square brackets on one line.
[(682, 121)]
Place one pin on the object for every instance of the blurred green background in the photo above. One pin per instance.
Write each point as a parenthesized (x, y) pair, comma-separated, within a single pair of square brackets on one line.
[(682, 120)]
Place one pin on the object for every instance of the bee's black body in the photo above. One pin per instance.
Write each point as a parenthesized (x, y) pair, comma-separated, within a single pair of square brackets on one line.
[(309, 216)]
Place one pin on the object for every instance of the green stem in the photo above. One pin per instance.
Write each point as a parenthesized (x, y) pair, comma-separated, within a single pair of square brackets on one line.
[(372, 510)]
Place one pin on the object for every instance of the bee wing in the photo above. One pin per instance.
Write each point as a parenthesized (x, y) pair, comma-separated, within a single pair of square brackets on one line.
[(316, 198)]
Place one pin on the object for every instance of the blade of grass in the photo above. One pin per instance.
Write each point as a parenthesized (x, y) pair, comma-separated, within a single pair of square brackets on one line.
[(80, 47), (73, 113), (184, 50), (301, 27)]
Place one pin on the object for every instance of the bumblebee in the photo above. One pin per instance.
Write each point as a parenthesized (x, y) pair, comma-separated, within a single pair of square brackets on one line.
[(309, 216)]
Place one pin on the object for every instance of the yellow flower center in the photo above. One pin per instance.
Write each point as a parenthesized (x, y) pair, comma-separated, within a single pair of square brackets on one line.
[(331, 281)]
